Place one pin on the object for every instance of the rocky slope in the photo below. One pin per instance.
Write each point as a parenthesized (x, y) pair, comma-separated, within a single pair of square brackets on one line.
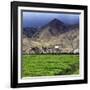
[(54, 37)]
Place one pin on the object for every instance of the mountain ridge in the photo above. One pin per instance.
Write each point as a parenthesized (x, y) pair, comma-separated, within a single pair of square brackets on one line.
[(53, 33)]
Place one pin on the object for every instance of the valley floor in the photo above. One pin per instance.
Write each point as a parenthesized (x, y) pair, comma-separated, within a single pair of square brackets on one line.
[(49, 65)]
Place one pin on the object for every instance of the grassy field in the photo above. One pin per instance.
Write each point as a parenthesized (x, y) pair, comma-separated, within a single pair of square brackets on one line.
[(49, 65)]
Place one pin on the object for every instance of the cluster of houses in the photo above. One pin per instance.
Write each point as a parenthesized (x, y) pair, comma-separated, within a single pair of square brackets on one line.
[(52, 49)]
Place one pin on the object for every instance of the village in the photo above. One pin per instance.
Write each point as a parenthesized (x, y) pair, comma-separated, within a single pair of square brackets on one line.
[(53, 49)]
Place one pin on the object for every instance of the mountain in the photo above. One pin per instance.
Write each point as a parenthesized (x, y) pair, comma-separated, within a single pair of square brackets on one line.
[(29, 31), (53, 28), (50, 35)]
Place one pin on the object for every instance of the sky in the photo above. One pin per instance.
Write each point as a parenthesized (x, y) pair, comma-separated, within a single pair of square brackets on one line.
[(38, 19)]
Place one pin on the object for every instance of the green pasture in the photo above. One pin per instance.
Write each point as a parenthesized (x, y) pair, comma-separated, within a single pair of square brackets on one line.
[(49, 65)]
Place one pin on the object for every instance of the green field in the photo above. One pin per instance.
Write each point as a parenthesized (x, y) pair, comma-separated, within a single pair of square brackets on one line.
[(49, 65)]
